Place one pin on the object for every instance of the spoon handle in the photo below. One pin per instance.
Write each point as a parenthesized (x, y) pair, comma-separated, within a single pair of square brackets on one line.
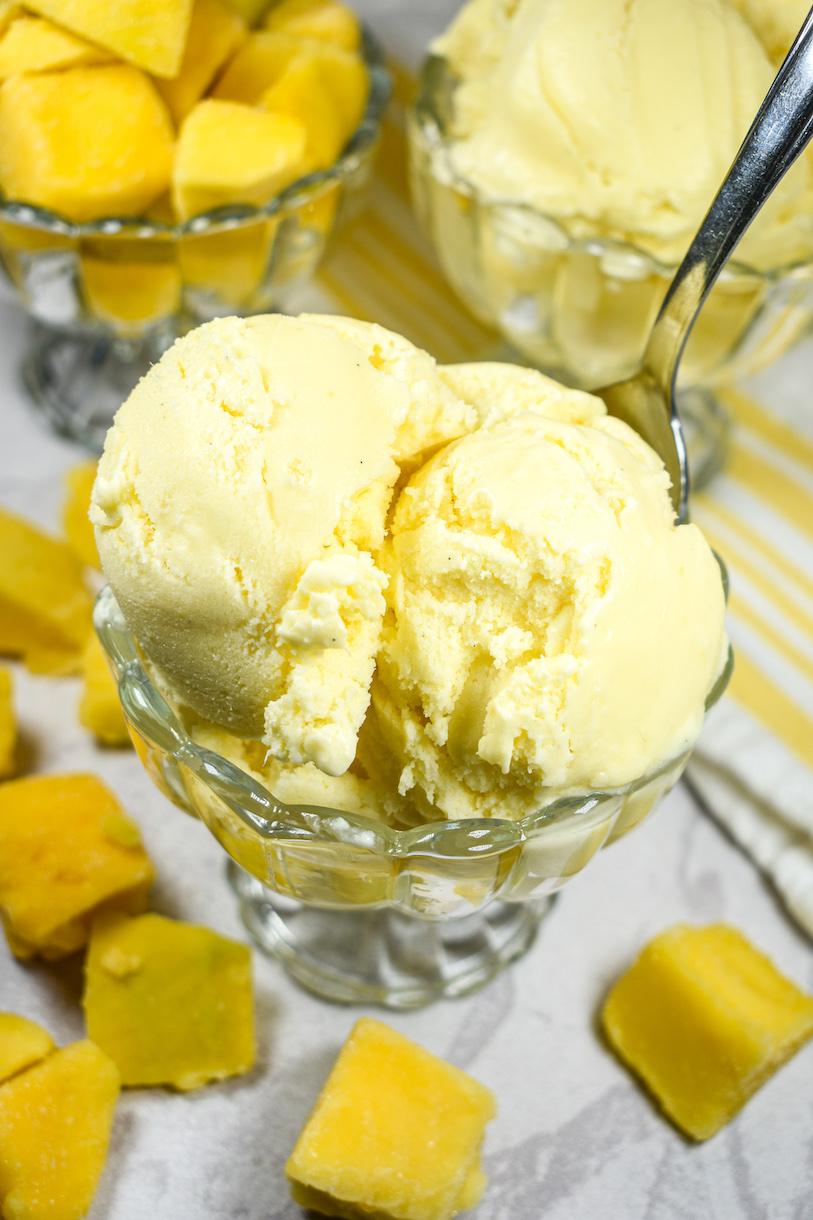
[(777, 136)]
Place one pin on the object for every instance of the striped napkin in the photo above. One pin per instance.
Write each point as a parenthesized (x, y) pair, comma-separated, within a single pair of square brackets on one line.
[(753, 767)]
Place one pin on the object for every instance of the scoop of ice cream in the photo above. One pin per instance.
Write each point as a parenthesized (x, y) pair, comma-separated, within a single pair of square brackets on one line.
[(775, 22), (619, 118), (549, 628), (240, 500)]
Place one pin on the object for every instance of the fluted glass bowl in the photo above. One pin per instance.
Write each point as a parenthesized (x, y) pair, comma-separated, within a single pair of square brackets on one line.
[(582, 309), (111, 295), (358, 911)]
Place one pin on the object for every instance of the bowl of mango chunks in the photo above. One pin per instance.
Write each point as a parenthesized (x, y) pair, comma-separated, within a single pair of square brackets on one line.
[(163, 164)]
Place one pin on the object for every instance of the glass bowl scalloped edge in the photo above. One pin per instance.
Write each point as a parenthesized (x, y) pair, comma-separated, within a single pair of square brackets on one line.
[(334, 859)]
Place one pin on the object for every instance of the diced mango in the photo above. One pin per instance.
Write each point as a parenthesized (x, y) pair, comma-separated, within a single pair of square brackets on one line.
[(55, 1121), (99, 708), (87, 142), (22, 1043), (10, 10), (149, 33), (33, 44), (395, 1133), (303, 93), (230, 266), (230, 153), (327, 20), (66, 849), (250, 10), (79, 482), (260, 62), (170, 1002), (8, 726), (704, 1019), (327, 90), (44, 605), (133, 284), (215, 33)]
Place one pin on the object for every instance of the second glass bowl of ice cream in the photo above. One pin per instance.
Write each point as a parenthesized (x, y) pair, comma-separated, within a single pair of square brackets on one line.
[(570, 263), (439, 709)]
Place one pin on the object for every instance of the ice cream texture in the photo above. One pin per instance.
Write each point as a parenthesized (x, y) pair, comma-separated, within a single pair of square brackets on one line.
[(401, 589), (619, 118)]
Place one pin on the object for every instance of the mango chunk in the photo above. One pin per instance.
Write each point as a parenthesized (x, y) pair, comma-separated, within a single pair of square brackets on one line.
[(55, 1121), (303, 93), (99, 707), (250, 10), (22, 1043), (75, 521), (130, 282), (395, 1133), (704, 1019), (229, 153), (327, 90), (8, 726), (87, 142), (327, 20), (171, 1003), (148, 33), (66, 849), (215, 32), (260, 62), (33, 44), (44, 606)]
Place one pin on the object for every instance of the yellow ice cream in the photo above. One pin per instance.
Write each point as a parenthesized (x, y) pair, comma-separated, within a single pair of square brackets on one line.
[(549, 630), (239, 501), (618, 118), (527, 616), (775, 22)]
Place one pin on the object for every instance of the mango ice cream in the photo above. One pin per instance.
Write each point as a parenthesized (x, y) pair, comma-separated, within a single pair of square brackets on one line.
[(400, 589)]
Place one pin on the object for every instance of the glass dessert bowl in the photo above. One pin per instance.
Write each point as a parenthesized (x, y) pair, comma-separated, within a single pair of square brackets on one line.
[(358, 911), (110, 296), (581, 308)]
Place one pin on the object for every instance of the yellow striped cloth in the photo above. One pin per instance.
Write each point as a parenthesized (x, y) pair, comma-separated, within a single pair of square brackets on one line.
[(754, 765)]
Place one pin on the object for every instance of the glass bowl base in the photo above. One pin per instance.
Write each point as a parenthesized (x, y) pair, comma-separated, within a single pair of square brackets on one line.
[(78, 382), (384, 956)]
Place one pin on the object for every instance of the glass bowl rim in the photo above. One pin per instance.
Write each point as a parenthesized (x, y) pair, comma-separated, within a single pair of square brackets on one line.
[(270, 819), (426, 121), (229, 216)]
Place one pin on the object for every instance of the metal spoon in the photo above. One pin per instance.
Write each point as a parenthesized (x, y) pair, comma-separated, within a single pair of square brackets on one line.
[(778, 134)]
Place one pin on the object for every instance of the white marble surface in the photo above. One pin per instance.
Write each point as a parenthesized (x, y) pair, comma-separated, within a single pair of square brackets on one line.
[(575, 1138)]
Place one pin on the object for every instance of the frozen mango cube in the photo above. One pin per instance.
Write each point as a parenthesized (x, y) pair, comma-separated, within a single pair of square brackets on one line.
[(55, 1121), (34, 44), (327, 89), (704, 1019), (303, 93), (8, 726), (66, 849), (22, 1043), (215, 33), (132, 283), (44, 605), (327, 20), (79, 482), (260, 62), (99, 708), (86, 142), (395, 1133), (230, 153), (171, 1003), (149, 33)]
